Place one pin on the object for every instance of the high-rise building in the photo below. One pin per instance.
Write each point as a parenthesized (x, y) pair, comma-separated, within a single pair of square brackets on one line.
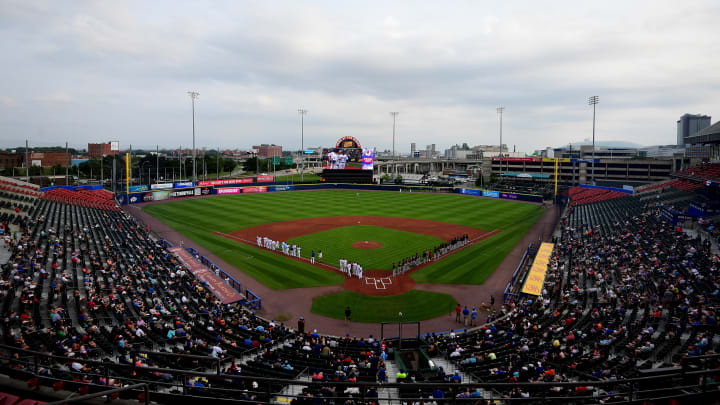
[(690, 124)]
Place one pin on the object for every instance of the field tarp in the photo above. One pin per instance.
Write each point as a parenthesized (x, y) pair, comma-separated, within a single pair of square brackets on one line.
[(224, 292)]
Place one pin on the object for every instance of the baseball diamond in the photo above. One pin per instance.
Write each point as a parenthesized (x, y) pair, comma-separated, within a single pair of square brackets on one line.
[(436, 239)]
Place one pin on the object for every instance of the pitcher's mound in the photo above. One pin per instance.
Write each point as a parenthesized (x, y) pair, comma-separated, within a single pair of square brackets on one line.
[(366, 244)]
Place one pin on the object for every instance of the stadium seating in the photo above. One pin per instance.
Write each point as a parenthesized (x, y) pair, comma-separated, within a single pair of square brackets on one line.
[(581, 195), (624, 292)]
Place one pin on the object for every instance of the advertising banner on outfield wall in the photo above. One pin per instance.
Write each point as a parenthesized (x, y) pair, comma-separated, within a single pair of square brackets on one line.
[(225, 182), (281, 188), (161, 186), (509, 196), (134, 198), (265, 179), (493, 194), (258, 189), (205, 191), (184, 184), (229, 190), (137, 189), (182, 193), (160, 195), (469, 191)]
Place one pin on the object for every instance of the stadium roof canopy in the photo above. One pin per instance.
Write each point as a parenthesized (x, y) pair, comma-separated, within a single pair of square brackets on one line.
[(710, 134)]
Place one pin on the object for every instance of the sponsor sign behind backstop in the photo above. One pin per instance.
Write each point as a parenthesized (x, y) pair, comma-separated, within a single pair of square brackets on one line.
[(536, 277), (223, 291), (225, 182)]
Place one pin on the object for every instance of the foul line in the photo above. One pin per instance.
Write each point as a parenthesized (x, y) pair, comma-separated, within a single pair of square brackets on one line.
[(337, 270)]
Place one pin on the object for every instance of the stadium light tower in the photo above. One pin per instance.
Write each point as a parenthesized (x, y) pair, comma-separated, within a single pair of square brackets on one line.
[(593, 101), (394, 115), (193, 96), (302, 113), (500, 111)]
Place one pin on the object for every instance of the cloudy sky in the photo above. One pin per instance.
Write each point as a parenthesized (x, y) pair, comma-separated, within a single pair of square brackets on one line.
[(89, 71)]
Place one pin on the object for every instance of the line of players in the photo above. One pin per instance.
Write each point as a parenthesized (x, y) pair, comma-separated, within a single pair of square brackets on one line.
[(351, 269), (267, 243), (337, 159)]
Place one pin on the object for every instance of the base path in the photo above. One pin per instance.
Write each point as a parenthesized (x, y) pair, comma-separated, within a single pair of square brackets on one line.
[(379, 283), (276, 302), (286, 230)]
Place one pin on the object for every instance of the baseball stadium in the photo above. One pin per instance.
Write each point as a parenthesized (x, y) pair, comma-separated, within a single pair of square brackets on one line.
[(259, 290), (372, 203)]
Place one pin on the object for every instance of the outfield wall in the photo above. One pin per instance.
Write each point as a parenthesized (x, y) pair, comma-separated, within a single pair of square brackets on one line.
[(155, 195)]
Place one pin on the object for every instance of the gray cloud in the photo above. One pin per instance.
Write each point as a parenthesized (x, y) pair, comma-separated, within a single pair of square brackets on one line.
[(92, 71)]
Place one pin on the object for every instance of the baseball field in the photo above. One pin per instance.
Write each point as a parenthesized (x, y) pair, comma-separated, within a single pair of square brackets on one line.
[(375, 229)]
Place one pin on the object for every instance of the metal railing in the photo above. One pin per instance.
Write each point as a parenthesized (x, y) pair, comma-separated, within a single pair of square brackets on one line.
[(679, 383)]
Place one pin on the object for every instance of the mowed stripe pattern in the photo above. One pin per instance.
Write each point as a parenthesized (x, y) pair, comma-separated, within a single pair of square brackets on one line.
[(197, 219)]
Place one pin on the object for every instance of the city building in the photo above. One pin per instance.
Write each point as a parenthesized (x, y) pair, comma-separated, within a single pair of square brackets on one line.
[(704, 144), (11, 159), (49, 159), (689, 125), (265, 151), (96, 150), (608, 172)]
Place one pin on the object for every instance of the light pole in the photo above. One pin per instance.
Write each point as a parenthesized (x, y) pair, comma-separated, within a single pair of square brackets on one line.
[(302, 113), (193, 96), (394, 115), (141, 169), (500, 111), (593, 101)]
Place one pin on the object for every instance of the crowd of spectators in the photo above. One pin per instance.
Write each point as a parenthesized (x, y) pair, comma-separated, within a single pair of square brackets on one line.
[(625, 290)]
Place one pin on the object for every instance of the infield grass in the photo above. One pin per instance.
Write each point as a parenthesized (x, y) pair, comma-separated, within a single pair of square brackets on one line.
[(415, 305), (197, 219), (337, 243)]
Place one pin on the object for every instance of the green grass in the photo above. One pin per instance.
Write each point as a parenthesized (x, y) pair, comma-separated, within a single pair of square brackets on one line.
[(196, 219), (337, 243), (295, 178), (415, 305)]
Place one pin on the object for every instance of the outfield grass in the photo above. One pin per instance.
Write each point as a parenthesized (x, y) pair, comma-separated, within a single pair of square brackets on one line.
[(196, 219), (337, 243), (415, 305), (295, 178)]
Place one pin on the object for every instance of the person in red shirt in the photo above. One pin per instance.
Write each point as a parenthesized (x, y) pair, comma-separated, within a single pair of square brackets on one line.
[(458, 309)]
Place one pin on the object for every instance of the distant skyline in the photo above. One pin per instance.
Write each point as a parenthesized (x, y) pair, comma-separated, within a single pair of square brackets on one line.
[(89, 71)]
